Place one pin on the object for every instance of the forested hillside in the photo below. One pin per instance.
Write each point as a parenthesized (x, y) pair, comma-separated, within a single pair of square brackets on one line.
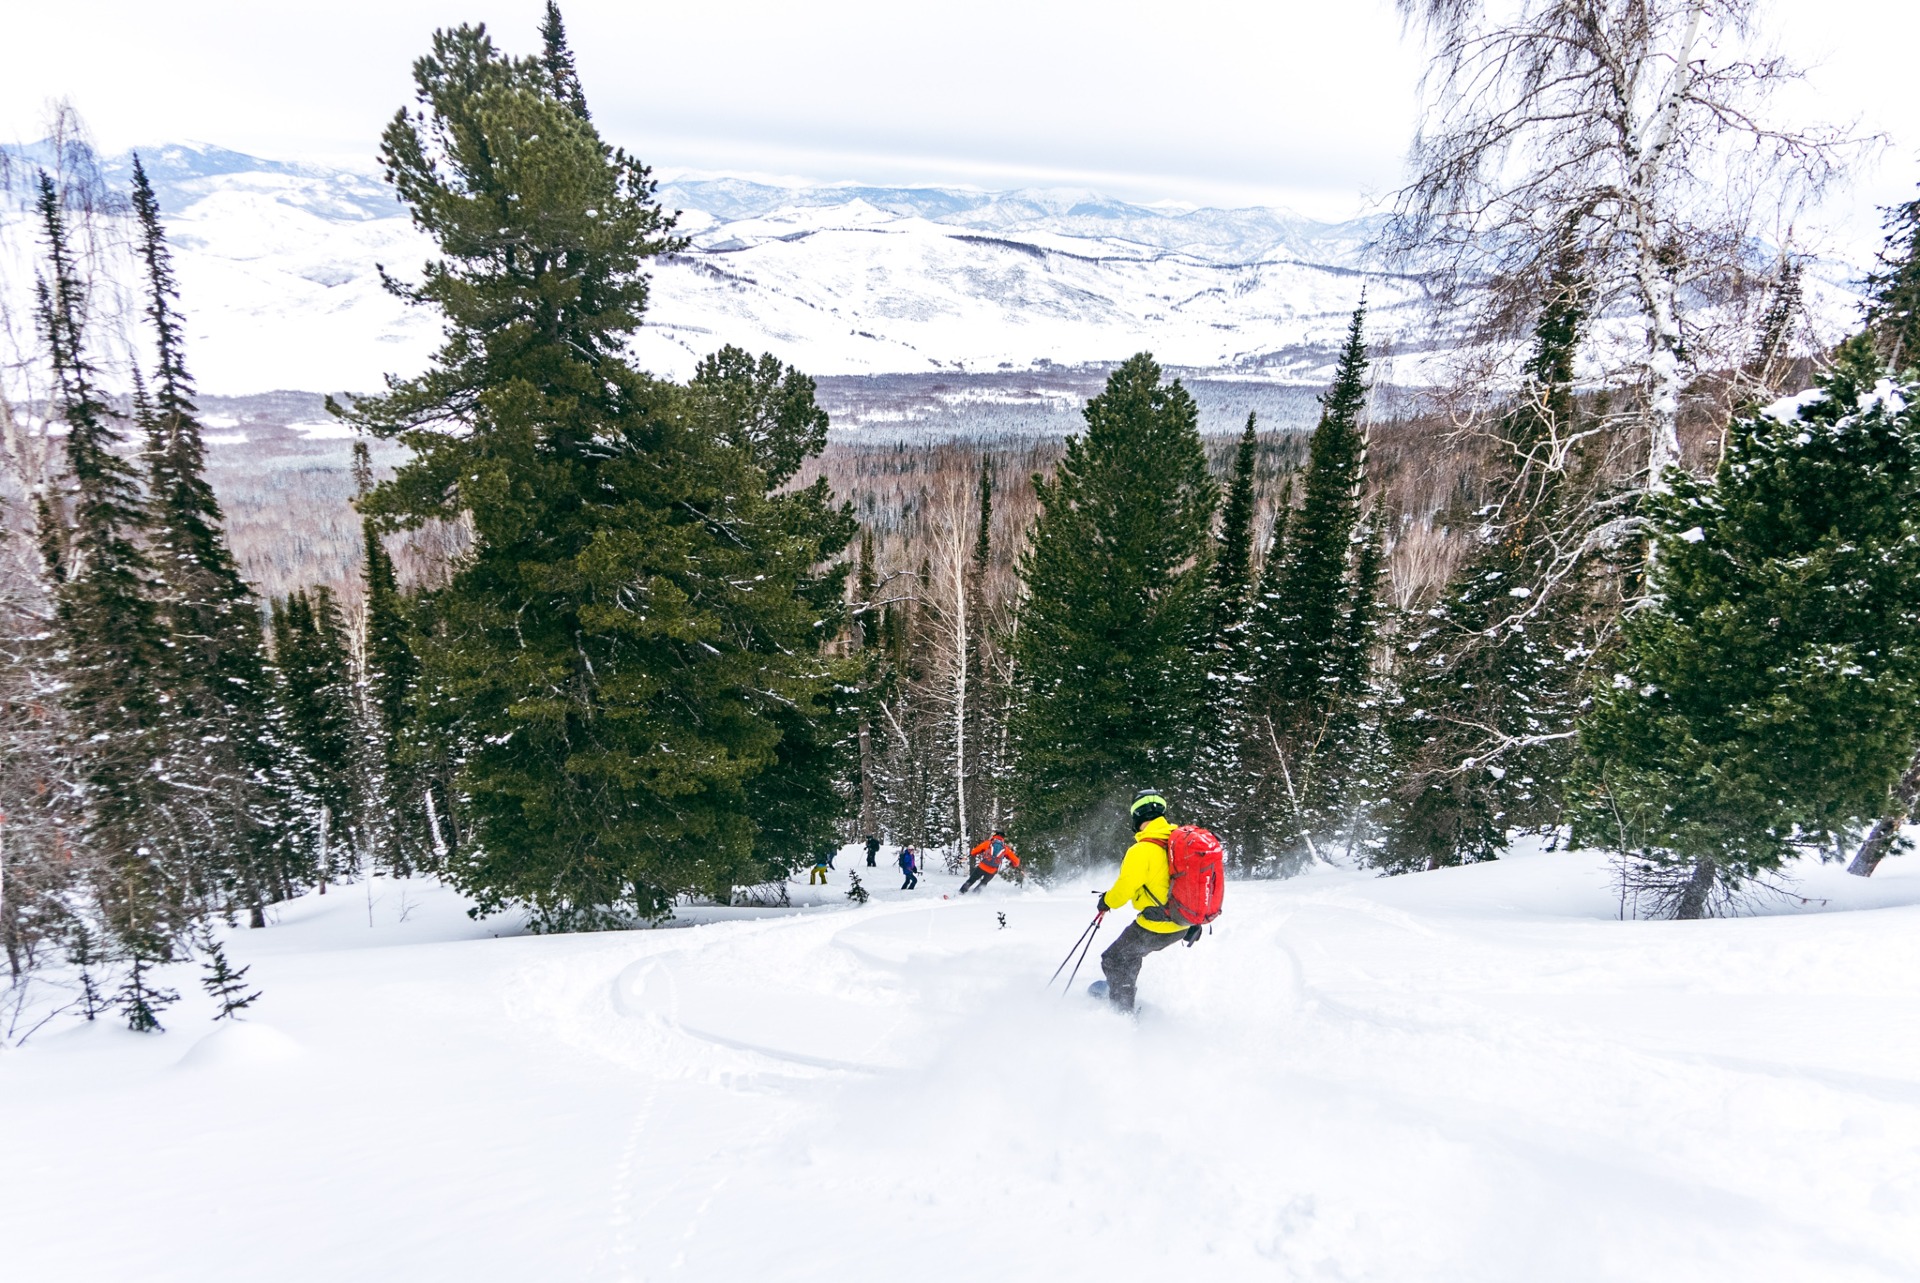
[(588, 642)]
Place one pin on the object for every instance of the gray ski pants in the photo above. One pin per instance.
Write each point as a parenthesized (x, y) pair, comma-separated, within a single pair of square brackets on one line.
[(1120, 963)]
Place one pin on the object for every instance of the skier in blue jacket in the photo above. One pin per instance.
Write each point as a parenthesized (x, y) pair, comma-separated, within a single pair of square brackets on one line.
[(909, 865)]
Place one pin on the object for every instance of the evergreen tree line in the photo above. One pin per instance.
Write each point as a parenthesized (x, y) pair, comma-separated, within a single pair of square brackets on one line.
[(668, 664), (170, 764)]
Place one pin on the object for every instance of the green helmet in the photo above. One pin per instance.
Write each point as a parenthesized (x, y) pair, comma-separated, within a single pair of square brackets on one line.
[(1147, 805)]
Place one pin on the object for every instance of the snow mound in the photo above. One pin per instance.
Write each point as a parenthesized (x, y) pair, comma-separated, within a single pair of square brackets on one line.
[(241, 1045)]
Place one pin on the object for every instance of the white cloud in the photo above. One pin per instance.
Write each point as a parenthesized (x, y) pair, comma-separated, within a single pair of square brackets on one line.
[(1296, 102)]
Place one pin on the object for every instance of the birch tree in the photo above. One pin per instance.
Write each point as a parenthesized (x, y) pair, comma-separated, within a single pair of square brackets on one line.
[(1638, 124)]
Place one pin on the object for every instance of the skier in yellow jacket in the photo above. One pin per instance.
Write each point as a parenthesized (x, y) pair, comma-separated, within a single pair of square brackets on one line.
[(1143, 882)]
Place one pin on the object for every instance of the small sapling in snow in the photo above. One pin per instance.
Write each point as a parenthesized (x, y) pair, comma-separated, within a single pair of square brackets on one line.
[(84, 953), (1003, 920), (858, 894), (139, 1000), (217, 976)]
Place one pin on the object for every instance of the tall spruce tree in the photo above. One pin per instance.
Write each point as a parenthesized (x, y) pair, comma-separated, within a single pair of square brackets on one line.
[(1770, 694), (111, 636), (1312, 631), (218, 744), (1490, 676), (1233, 554), (627, 671), (1111, 647), (1219, 771)]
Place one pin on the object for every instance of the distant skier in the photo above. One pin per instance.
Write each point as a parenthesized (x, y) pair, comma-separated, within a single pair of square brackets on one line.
[(909, 865), (990, 857), (1175, 877), (821, 863), (873, 849)]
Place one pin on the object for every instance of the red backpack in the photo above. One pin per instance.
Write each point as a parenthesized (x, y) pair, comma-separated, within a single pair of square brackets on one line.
[(1197, 875)]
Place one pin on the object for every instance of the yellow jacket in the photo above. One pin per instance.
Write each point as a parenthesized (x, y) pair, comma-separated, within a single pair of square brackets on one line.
[(1143, 875)]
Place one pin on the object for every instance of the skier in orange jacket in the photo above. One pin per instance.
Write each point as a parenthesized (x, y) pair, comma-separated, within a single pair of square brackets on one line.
[(990, 857)]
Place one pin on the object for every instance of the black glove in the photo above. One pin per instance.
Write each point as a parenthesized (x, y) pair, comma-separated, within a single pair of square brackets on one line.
[(1193, 936), (1099, 903)]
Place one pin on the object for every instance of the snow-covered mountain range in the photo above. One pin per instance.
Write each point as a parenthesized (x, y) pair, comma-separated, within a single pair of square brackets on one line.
[(277, 264)]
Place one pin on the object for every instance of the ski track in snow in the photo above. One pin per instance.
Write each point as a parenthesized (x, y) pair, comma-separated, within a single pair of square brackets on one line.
[(1473, 1074)]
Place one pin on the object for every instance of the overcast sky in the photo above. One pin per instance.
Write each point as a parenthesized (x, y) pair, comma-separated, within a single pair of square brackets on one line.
[(1307, 103)]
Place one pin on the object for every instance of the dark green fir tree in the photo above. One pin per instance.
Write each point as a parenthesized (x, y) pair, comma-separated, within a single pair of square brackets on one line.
[(627, 675), (1770, 693), (1111, 649)]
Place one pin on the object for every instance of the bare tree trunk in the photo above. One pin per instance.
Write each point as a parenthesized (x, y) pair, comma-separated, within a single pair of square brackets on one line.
[(1693, 898), (325, 815), (1879, 843)]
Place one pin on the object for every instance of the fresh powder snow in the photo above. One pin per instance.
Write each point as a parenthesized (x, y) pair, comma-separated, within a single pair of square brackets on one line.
[(1478, 1073)]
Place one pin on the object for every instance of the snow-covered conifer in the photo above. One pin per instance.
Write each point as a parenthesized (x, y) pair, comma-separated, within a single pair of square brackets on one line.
[(1312, 633), (1770, 694)]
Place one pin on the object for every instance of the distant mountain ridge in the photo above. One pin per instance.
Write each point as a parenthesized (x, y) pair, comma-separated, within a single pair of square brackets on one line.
[(277, 263), (1243, 235)]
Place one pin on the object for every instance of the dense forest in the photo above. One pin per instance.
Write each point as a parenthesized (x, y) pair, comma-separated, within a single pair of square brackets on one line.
[(1642, 576)]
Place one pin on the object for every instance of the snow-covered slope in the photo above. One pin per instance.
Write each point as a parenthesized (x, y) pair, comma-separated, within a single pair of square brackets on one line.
[(277, 265), (1473, 1074)]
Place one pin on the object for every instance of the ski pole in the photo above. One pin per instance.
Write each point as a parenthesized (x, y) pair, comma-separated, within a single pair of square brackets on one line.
[(1098, 919), (1070, 948)]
